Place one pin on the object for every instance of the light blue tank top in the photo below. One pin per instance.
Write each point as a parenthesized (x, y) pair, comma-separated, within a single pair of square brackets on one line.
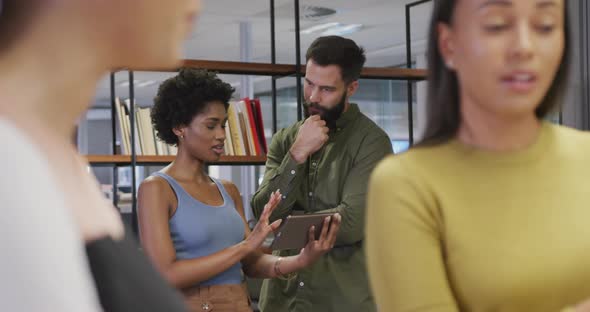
[(198, 230)]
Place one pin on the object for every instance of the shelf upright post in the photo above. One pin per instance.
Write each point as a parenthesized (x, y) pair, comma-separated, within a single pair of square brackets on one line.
[(584, 59), (132, 120), (114, 146), (409, 82), (298, 61), (409, 65), (273, 60)]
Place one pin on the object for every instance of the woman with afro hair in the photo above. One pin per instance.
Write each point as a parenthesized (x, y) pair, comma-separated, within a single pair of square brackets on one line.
[(193, 226)]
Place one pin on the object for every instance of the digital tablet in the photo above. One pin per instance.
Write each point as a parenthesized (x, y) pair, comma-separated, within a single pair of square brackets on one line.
[(294, 232)]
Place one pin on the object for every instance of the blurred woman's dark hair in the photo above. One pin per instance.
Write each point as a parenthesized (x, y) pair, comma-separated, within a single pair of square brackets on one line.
[(15, 19)]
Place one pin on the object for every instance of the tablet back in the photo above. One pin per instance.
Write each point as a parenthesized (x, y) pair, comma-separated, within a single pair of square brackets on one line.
[(293, 233)]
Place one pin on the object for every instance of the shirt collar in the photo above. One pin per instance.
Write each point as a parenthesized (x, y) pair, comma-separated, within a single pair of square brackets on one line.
[(348, 116)]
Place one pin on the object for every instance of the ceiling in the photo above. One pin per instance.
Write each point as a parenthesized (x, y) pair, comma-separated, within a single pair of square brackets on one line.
[(216, 36)]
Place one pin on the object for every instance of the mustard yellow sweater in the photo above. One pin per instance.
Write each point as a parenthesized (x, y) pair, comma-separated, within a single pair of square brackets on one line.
[(454, 228)]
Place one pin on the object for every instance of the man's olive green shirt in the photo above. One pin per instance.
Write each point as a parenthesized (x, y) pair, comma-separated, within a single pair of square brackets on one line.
[(334, 179)]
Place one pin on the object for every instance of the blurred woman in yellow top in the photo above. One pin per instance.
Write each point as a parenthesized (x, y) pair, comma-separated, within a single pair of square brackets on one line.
[(489, 212)]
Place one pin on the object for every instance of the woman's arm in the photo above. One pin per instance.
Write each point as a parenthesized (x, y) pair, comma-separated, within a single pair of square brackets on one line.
[(155, 197), (257, 264), (403, 245)]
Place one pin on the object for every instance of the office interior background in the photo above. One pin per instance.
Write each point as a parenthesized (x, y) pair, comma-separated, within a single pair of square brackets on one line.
[(241, 31)]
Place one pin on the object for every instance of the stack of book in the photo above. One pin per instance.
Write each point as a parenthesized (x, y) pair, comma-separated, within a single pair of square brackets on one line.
[(244, 130), (146, 141)]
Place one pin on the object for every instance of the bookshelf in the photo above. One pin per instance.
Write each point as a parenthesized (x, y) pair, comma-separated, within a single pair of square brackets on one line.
[(276, 71), (133, 160), (227, 67), (117, 160), (153, 160), (269, 69)]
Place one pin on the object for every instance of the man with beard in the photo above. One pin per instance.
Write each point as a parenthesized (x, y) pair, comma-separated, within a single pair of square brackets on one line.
[(322, 164)]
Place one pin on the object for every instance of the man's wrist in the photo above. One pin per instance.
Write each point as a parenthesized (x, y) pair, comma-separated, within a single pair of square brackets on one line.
[(298, 156)]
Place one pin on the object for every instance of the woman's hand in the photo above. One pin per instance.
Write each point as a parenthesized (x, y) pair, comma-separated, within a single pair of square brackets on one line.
[(316, 248), (263, 228)]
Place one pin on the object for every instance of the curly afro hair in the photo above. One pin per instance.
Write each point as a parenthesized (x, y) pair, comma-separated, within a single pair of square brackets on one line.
[(183, 97)]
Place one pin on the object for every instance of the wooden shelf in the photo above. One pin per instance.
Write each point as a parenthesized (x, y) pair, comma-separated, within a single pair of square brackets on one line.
[(244, 68), (237, 68), (393, 73), (159, 160), (109, 159)]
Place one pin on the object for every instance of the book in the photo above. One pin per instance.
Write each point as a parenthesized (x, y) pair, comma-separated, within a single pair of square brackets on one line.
[(147, 133), (228, 145), (252, 127), (136, 142), (235, 131), (260, 125), (244, 133), (123, 133), (248, 124), (139, 133)]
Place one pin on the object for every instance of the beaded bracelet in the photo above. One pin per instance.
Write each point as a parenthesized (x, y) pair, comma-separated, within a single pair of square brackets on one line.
[(277, 269)]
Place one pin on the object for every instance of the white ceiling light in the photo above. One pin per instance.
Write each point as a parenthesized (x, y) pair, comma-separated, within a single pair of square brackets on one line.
[(315, 13), (137, 83), (319, 27), (342, 30), (332, 29)]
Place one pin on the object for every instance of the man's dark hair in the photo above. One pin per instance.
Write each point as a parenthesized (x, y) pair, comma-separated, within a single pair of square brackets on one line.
[(183, 97), (335, 50)]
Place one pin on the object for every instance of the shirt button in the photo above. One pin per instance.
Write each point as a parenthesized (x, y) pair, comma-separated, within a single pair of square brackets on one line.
[(292, 171), (314, 164), (310, 194), (301, 284), (284, 196)]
